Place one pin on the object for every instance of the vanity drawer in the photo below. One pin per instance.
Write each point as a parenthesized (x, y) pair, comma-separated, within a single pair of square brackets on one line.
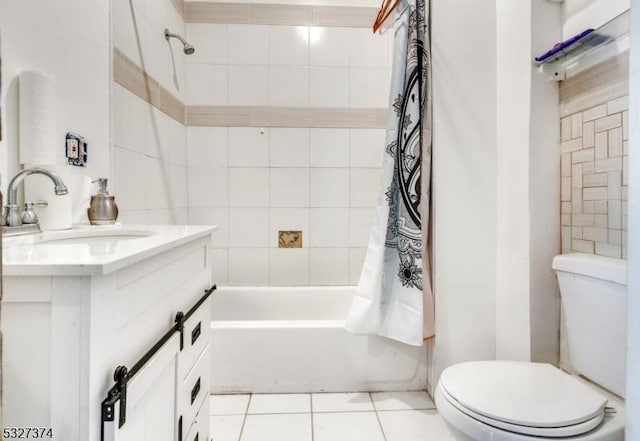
[(197, 330), (194, 389), (199, 431)]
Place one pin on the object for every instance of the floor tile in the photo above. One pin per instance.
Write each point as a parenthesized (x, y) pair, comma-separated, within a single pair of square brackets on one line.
[(277, 427), (414, 425), (346, 426), (225, 427), (341, 402), (228, 404), (402, 401), (280, 403)]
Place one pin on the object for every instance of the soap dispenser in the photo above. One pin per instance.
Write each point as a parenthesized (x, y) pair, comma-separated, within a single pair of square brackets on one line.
[(102, 209)]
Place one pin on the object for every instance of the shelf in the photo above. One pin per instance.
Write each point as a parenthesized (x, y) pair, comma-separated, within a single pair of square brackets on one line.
[(595, 47)]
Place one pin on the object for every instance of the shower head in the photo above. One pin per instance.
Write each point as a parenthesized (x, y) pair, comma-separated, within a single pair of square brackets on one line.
[(188, 48)]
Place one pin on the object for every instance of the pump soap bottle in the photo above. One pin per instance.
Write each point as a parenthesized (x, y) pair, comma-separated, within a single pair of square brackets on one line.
[(102, 209)]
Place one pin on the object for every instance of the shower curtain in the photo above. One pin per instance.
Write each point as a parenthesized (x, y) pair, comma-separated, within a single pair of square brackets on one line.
[(394, 297)]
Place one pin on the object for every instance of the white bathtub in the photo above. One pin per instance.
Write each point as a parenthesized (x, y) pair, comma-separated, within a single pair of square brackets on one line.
[(276, 339)]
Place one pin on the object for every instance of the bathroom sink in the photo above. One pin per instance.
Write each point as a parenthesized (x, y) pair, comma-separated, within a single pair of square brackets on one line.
[(80, 236), (92, 250), (94, 237)]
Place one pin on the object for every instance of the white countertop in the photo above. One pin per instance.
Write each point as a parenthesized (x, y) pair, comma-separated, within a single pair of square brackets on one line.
[(92, 250)]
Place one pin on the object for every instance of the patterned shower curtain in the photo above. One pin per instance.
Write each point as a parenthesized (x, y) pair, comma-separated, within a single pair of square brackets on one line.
[(394, 297)]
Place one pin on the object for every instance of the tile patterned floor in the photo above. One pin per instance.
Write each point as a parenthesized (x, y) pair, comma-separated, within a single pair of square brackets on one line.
[(376, 416)]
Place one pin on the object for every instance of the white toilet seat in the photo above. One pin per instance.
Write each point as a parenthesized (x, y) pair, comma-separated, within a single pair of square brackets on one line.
[(541, 432), (484, 400)]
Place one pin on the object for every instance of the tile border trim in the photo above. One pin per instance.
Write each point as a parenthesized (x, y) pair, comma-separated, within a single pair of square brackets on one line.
[(279, 14), (180, 6), (292, 117), (133, 78)]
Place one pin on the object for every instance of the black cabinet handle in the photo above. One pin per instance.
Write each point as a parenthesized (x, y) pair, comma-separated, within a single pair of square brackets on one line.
[(195, 390), (196, 333)]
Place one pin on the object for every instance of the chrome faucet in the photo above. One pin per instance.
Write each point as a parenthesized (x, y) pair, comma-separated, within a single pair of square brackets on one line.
[(11, 216)]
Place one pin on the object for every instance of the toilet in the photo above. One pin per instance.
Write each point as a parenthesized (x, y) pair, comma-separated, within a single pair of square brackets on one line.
[(513, 400)]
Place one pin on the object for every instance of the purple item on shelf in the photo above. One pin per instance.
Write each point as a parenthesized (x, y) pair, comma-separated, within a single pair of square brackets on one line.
[(563, 44)]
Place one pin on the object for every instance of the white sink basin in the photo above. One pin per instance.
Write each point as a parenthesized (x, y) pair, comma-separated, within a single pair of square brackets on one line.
[(79, 236), (94, 238)]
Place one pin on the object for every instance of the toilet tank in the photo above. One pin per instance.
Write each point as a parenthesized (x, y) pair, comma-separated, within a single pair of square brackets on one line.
[(593, 291)]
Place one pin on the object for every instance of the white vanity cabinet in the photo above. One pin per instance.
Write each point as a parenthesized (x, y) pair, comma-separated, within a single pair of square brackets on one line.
[(67, 327)]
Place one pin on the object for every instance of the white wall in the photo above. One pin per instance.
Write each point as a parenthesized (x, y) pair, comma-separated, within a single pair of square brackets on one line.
[(465, 189), (544, 190), (69, 40), (496, 192), (149, 147), (513, 122), (633, 302), (579, 15)]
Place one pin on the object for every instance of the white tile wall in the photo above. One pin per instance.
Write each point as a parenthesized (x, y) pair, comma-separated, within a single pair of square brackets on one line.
[(248, 227), (323, 182), (362, 81), (356, 259), (249, 187), (248, 147), (128, 111), (208, 147), (210, 41), (208, 187), (367, 147), (289, 45), (329, 148), (288, 266), (369, 50), (593, 180), (333, 206), (149, 151), (329, 87), (207, 84), (365, 185), (248, 85), (129, 196), (289, 86), (289, 187), (329, 227), (361, 222), (329, 266), (220, 263), (289, 147), (247, 44), (248, 266), (328, 187), (327, 46)]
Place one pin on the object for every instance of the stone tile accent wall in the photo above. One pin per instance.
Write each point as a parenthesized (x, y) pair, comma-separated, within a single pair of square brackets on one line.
[(594, 163)]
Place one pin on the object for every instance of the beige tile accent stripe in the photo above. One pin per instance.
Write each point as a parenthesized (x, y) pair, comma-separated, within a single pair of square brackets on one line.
[(257, 116), (587, 89), (278, 14), (180, 7), (133, 78)]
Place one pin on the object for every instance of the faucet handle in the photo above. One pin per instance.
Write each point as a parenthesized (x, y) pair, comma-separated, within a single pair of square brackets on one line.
[(36, 204), (28, 215)]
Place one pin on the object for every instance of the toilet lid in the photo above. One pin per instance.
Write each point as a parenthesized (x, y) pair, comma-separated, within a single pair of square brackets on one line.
[(543, 432), (522, 394)]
